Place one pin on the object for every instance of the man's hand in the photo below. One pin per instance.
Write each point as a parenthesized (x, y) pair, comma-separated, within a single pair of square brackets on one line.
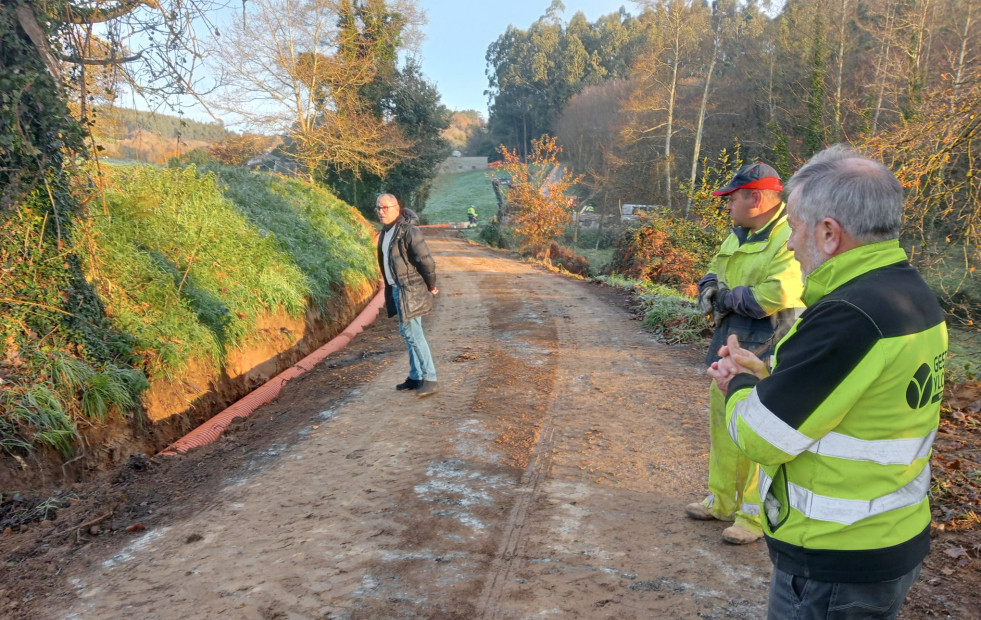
[(745, 360), (736, 360), (722, 371), (717, 318), (434, 290), (706, 298)]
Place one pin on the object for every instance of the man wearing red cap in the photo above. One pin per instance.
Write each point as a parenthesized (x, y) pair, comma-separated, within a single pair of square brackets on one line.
[(752, 290)]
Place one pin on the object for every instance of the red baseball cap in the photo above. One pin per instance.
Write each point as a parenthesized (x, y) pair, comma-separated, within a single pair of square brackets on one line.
[(752, 176)]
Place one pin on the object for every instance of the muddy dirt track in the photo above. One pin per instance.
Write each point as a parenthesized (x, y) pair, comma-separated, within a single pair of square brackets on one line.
[(547, 479)]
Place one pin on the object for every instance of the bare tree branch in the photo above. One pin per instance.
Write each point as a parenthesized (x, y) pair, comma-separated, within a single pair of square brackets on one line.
[(98, 15), (28, 21), (100, 62)]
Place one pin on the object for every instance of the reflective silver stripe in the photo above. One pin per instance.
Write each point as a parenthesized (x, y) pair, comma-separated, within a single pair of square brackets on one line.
[(780, 435), (763, 483), (849, 511), (768, 426), (750, 508), (881, 451)]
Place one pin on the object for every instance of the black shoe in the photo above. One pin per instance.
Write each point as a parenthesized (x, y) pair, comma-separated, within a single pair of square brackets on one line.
[(409, 384), (428, 388)]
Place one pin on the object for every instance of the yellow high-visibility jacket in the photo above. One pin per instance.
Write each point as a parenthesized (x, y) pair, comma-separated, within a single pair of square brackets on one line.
[(766, 286), (844, 425)]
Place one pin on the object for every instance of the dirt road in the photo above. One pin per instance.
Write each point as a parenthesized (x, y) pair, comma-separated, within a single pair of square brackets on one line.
[(546, 479)]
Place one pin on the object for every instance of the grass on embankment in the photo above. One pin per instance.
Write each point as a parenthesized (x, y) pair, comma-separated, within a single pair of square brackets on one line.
[(186, 266)]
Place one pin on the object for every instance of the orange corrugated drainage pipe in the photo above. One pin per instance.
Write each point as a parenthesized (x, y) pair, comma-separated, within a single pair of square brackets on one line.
[(213, 428)]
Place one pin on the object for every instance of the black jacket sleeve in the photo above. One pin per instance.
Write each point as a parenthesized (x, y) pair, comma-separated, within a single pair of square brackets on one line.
[(420, 257)]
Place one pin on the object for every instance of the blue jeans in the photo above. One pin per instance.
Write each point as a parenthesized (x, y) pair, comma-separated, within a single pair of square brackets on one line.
[(421, 364), (800, 598)]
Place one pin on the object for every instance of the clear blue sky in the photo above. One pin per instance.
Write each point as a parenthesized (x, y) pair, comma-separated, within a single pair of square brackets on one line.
[(458, 34)]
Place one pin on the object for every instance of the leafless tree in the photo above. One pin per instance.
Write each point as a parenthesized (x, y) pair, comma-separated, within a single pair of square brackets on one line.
[(676, 26), (288, 69), (152, 47)]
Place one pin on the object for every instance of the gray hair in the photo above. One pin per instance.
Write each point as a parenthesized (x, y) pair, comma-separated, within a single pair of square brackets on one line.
[(861, 194), (380, 196)]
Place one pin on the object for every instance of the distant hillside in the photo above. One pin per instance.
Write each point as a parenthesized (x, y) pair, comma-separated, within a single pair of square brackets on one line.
[(150, 137), (126, 123)]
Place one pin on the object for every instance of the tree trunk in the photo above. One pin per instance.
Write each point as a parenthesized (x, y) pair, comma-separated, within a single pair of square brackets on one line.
[(524, 137), (837, 129), (880, 72), (696, 151), (673, 91), (770, 102), (916, 76), (575, 231), (961, 59), (599, 231)]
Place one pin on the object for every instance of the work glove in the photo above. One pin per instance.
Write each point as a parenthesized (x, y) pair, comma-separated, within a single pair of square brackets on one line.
[(771, 506), (720, 304), (706, 297)]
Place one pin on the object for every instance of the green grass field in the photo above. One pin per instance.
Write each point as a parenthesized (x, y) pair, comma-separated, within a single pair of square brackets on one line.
[(453, 194)]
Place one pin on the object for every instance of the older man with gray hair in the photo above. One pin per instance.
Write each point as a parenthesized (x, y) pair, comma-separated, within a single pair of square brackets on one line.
[(844, 424), (409, 274)]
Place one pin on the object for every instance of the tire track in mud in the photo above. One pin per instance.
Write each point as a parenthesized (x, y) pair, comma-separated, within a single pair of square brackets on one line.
[(603, 534), (526, 329), (574, 338)]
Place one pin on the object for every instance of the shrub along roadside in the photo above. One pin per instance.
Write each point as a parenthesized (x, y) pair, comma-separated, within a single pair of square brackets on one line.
[(672, 316), (184, 267)]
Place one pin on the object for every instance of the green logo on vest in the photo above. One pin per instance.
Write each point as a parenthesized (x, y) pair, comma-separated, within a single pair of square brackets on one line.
[(921, 390)]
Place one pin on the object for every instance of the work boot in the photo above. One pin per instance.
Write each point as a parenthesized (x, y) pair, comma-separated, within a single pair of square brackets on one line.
[(409, 384), (736, 535), (699, 512), (427, 388)]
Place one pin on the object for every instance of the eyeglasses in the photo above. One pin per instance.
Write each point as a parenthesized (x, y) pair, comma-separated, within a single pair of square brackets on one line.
[(386, 207)]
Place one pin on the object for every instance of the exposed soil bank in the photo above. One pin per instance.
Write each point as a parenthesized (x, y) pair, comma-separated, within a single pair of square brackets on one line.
[(171, 408)]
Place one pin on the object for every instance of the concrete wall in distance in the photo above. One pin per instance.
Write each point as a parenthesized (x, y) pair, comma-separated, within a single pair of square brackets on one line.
[(462, 164)]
